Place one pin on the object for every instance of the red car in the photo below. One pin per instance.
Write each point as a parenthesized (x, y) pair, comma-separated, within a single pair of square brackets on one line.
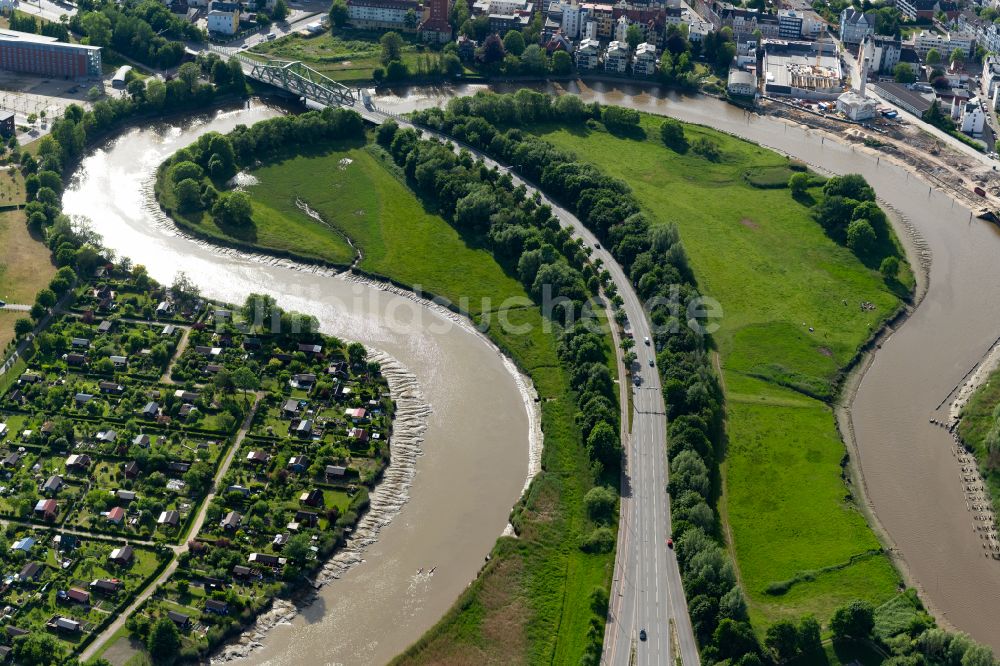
[(670, 543)]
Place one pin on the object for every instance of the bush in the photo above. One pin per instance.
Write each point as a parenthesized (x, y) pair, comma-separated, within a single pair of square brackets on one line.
[(601, 540), (615, 117), (855, 620), (707, 149), (600, 502), (672, 134)]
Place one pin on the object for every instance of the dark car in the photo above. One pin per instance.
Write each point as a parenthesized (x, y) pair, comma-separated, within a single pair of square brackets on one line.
[(642, 634)]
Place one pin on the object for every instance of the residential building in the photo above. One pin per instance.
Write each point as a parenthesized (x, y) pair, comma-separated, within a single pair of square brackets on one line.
[(645, 62), (621, 28), (436, 28), (789, 24), (46, 56), (945, 44), (973, 116), (855, 26), (588, 55), (616, 57), (885, 53), (501, 24), (741, 83), (927, 9), (990, 80), (223, 22), (573, 19), (383, 14)]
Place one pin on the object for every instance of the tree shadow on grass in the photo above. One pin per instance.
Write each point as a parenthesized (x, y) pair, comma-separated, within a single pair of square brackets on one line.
[(633, 132), (804, 198)]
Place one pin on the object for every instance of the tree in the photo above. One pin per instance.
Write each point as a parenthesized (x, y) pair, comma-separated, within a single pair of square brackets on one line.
[(978, 655), (933, 57), (603, 445), (245, 380), (46, 298), (164, 641), (297, 549), (562, 62), (189, 73), (356, 352), (903, 73), (98, 28), (798, 183), (735, 639), (782, 638), (392, 47), (633, 36), (492, 50), (339, 13), (855, 620), (514, 42), (860, 236), (23, 326), (280, 10), (809, 634), (957, 55), (672, 135), (852, 186), (600, 502), (534, 60), (451, 65), (188, 195), (889, 268), (233, 208), (38, 649)]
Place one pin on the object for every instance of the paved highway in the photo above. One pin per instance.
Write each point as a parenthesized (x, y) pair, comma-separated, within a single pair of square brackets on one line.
[(646, 592)]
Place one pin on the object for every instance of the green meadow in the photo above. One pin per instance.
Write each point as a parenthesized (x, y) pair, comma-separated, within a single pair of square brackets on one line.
[(792, 320)]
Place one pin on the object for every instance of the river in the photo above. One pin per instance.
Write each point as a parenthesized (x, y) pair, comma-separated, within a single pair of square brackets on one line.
[(910, 471), (475, 449), (912, 477)]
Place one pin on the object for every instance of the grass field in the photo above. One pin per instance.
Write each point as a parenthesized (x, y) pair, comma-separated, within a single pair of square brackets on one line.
[(792, 320), (977, 420), (532, 603), (25, 266), (348, 57)]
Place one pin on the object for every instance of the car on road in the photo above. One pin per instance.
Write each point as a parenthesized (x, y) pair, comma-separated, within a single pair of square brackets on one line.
[(637, 380), (2, 304), (646, 340), (670, 543), (597, 245), (652, 363), (642, 634)]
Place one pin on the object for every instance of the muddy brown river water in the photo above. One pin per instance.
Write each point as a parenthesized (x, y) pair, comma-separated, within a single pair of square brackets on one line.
[(474, 458)]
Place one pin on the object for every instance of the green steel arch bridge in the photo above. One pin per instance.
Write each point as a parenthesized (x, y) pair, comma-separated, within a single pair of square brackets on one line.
[(301, 80)]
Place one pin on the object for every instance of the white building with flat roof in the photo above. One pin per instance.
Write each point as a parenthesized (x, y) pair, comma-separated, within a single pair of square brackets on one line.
[(616, 58), (645, 61), (945, 43)]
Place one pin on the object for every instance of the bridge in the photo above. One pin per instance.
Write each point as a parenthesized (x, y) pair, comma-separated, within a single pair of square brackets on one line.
[(304, 81)]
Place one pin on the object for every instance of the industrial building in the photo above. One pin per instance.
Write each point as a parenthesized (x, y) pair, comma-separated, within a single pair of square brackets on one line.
[(46, 56), (810, 70)]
